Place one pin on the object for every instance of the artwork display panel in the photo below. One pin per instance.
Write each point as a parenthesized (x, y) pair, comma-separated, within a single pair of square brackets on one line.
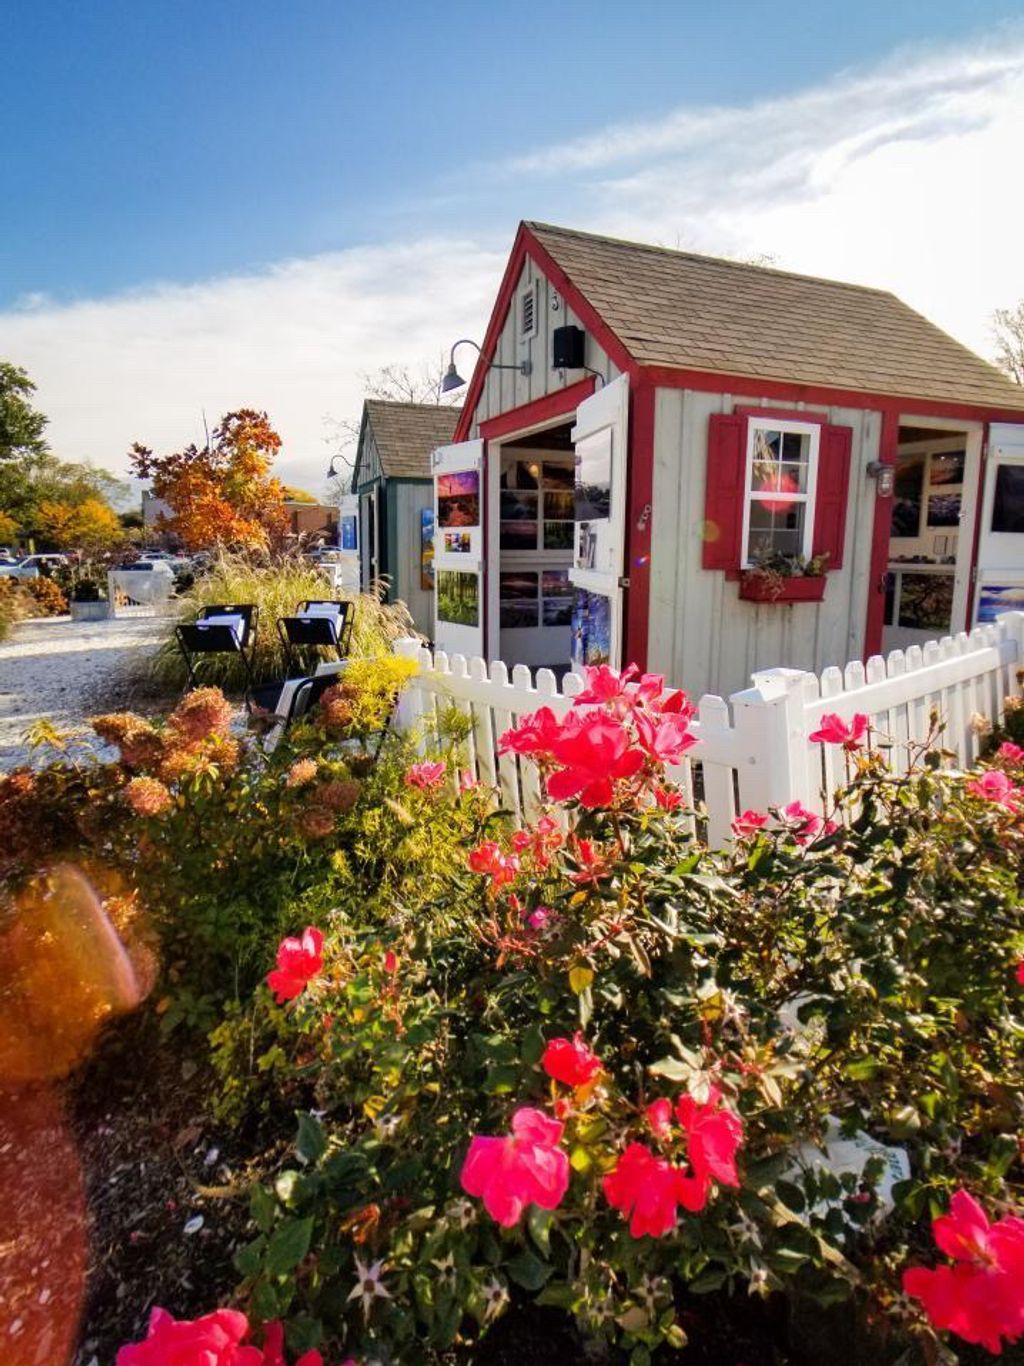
[(999, 597), (590, 628), (458, 597), (457, 542), (1008, 505), (593, 504), (458, 499), (427, 549), (926, 601)]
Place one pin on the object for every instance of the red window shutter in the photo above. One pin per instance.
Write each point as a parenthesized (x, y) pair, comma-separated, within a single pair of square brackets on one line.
[(723, 496), (832, 494)]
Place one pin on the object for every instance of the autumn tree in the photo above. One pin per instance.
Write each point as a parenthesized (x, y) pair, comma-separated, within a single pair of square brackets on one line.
[(221, 493), (1008, 326), (91, 525)]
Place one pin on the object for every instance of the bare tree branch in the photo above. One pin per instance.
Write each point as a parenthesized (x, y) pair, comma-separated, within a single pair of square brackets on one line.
[(1008, 330)]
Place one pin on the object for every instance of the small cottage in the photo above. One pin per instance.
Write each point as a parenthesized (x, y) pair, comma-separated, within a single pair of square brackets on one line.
[(392, 482), (709, 468)]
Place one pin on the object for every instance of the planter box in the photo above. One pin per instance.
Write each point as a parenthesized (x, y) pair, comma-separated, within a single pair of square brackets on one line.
[(88, 611), (762, 588)]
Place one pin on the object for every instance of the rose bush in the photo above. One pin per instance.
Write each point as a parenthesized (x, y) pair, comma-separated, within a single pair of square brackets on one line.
[(580, 1066)]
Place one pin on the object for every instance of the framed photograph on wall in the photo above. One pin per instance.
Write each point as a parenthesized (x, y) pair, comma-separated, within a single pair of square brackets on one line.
[(427, 549)]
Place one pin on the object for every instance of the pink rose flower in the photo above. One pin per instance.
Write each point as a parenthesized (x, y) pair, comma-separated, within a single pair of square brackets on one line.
[(835, 731), (488, 859), (981, 1296), (594, 756), (426, 775), (805, 824), (749, 823), (570, 1061), (994, 786), (713, 1136), (213, 1340), (298, 962), (647, 1190), (525, 1168)]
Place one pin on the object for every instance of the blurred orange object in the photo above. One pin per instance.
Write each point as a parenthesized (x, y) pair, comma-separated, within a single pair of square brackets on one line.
[(63, 973)]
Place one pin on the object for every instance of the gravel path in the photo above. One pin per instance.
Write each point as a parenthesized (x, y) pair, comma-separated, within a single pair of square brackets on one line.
[(63, 671)]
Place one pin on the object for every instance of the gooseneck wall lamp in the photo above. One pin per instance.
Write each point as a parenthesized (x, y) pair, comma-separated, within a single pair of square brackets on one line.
[(452, 378)]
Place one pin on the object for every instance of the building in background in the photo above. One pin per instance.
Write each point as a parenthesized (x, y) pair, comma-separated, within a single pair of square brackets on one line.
[(391, 479)]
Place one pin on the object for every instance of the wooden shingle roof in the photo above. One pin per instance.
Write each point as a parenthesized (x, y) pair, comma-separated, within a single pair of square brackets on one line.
[(406, 433), (677, 309)]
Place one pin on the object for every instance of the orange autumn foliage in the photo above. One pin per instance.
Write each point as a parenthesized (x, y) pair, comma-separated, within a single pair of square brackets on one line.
[(221, 493)]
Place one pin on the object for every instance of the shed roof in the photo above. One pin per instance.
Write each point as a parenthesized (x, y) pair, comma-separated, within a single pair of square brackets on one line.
[(406, 433), (678, 309)]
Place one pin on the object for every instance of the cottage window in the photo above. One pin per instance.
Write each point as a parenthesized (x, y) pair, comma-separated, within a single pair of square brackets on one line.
[(779, 490)]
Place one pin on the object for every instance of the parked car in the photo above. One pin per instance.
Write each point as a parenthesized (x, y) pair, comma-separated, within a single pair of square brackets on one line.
[(32, 566)]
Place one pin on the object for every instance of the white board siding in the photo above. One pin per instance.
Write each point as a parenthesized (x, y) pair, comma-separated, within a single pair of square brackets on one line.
[(702, 635), (506, 389), (406, 499)]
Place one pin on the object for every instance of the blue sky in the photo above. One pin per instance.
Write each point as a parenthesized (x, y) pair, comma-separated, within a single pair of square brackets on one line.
[(172, 141), (213, 204)]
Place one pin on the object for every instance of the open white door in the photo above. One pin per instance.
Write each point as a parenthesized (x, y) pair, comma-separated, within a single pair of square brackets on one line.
[(459, 548), (600, 437), (999, 585)]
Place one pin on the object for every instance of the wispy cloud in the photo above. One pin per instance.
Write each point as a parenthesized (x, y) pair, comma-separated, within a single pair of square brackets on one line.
[(294, 340)]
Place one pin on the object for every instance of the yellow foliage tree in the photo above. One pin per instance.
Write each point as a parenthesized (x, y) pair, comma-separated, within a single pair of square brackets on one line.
[(91, 525), (8, 528)]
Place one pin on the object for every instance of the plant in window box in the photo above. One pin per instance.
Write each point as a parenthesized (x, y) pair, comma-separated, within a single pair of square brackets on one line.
[(784, 578)]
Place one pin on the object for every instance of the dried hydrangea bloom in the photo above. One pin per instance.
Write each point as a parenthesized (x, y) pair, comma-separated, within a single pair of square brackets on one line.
[(316, 822), (336, 709), (303, 771), (341, 794), (147, 797), (206, 711)]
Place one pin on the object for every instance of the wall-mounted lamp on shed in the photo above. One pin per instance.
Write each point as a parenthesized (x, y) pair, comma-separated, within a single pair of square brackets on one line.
[(884, 476), (452, 378)]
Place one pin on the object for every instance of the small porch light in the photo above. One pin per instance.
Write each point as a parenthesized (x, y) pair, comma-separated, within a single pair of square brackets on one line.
[(884, 476), (452, 378)]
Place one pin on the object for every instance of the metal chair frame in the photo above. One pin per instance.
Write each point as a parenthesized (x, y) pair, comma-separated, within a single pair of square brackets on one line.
[(196, 639)]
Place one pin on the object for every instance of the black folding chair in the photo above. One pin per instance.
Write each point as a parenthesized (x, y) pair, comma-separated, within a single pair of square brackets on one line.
[(345, 618), (204, 637), (329, 631), (248, 611)]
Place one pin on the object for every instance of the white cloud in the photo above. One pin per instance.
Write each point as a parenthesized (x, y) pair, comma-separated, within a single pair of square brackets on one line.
[(294, 340), (903, 177)]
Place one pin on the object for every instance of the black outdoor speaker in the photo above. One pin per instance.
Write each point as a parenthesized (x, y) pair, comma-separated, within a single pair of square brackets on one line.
[(568, 343)]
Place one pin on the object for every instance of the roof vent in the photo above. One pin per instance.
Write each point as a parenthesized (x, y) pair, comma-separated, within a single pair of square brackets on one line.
[(528, 313)]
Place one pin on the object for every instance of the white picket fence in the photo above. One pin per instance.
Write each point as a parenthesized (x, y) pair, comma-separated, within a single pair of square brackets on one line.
[(752, 751)]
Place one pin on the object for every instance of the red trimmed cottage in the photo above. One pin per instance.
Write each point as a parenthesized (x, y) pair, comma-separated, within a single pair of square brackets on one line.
[(709, 468)]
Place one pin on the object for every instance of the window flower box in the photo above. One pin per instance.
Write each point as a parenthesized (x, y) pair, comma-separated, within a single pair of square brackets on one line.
[(756, 585)]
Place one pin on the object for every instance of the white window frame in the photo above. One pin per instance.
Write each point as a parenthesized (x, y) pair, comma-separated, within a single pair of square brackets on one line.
[(783, 426)]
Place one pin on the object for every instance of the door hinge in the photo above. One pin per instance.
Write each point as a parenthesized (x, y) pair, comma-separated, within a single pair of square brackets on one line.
[(623, 582)]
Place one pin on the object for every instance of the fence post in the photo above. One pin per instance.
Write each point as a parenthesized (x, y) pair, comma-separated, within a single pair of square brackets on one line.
[(411, 704), (771, 736), (1011, 625)]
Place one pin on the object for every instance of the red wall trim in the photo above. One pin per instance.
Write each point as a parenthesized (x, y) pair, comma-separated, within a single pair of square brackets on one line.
[(556, 404), (524, 245), (501, 306), (784, 414), (972, 582), (880, 533), (666, 377), (583, 309), (639, 517)]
